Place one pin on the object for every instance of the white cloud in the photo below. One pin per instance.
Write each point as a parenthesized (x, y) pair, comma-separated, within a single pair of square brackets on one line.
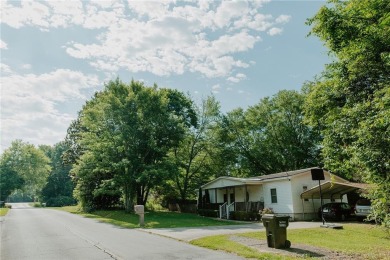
[(29, 104), (216, 89), (161, 37), (237, 78), (26, 66), (5, 69), (233, 79), (283, 18), (275, 31), (3, 45)]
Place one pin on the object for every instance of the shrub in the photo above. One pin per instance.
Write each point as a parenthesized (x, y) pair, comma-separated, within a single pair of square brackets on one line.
[(60, 201), (208, 213), (245, 216), (267, 211)]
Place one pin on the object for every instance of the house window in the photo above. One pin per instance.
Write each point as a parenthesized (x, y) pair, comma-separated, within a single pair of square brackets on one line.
[(274, 197)]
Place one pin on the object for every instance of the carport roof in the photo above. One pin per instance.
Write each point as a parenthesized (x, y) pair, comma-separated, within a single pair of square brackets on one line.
[(332, 190)]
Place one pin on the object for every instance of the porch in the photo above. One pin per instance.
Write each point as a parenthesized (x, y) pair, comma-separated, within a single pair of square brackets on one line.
[(227, 195)]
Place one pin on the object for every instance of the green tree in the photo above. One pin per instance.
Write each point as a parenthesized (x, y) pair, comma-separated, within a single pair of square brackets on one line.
[(349, 103), (192, 155), (29, 163), (59, 187), (9, 181), (126, 134), (269, 137)]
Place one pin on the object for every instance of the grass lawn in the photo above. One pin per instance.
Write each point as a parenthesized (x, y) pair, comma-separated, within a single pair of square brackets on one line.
[(158, 219), (3, 211), (363, 241)]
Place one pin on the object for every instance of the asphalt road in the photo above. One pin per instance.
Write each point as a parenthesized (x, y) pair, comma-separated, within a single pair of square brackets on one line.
[(36, 233)]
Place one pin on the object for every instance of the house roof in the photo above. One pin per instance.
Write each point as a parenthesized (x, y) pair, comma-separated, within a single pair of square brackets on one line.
[(226, 181), (284, 174)]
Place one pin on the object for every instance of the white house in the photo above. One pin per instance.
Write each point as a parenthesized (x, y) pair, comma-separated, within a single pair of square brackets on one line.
[(292, 193)]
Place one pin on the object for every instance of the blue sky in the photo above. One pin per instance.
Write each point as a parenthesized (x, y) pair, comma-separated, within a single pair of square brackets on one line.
[(56, 54)]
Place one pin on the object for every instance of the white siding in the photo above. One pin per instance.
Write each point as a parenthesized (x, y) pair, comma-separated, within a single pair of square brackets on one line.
[(220, 183), (240, 194), (299, 205), (283, 192), (255, 192)]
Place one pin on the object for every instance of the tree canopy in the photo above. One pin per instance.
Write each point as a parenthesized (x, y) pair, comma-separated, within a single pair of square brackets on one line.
[(126, 134), (24, 167), (350, 102), (268, 137)]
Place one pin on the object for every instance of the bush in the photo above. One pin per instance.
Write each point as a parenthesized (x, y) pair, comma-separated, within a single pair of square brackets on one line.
[(267, 211), (37, 205), (60, 201), (245, 216), (208, 213)]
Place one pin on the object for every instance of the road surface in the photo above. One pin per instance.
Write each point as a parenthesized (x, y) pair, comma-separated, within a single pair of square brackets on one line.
[(37, 233)]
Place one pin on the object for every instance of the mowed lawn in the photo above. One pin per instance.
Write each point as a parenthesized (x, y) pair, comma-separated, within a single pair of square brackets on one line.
[(158, 219), (3, 211), (356, 241)]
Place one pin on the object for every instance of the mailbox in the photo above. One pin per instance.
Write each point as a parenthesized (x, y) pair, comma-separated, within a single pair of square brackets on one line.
[(139, 209)]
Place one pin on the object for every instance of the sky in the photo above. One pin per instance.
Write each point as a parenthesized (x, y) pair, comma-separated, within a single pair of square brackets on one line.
[(56, 54)]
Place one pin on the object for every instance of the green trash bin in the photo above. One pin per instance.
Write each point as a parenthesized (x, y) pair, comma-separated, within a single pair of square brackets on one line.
[(276, 230)]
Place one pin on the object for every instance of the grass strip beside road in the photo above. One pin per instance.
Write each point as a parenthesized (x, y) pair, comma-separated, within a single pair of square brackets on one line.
[(222, 242), (3, 211), (363, 241), (153, 219)]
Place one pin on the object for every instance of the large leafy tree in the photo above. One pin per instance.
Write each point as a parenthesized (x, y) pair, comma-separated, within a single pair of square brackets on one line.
[(194, 152), (9, 181), (350, 102), (269, 137), (59, 187), (23, 163), (126, 132)]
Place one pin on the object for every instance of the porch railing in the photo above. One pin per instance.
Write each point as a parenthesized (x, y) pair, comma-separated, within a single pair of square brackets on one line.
[(250, 206), (229, 208), (223, 210)]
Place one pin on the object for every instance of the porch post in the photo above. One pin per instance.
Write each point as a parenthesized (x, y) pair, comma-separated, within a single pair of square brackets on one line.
[(216, 198), (227, 194), (246, 202), (314, 209)]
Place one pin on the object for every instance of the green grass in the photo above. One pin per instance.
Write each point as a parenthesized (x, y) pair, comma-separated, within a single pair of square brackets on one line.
[(3, 211), (157, 219), (222, 242), (355, 240)]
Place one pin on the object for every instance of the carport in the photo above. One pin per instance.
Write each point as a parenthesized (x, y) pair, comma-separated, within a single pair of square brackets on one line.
[(331, 190)]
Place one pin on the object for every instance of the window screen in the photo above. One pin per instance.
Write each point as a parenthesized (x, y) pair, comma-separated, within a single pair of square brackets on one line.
[(274, 197)]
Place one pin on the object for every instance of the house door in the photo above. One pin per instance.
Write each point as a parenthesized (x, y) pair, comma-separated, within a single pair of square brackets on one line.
[(232, 198)]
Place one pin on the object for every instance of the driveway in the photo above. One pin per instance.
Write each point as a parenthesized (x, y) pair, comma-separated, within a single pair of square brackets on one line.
[(188, 234), (38, 233)]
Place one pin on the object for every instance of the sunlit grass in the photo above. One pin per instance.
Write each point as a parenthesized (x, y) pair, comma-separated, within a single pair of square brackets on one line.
[(153, 219), (222, 242), (3, 211), (362, 241), (368, 241)]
